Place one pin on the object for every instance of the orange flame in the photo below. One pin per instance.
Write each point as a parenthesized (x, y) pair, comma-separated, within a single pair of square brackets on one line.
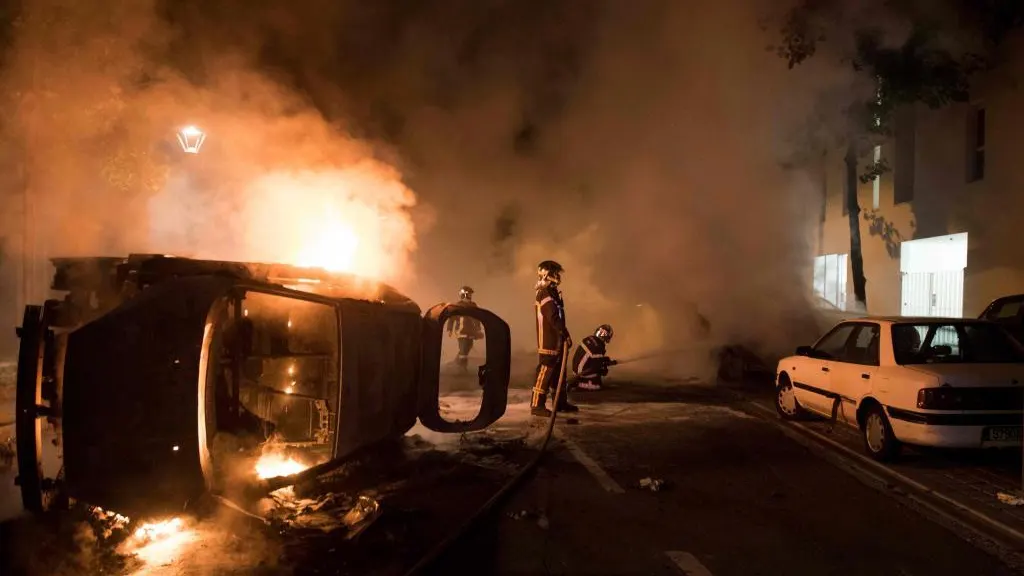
[(353, 220), (273, 465), (161, 543)]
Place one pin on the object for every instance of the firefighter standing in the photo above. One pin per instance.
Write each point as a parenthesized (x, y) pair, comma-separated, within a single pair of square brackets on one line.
[(552, 336), (464, 328), (590, 362)]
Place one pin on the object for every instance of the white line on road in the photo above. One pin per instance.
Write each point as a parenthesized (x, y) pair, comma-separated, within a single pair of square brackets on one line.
[(688, 563), (866, 465), (593, 467)]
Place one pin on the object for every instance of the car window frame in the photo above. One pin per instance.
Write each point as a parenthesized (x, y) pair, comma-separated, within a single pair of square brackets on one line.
[(999, 303), (960, 327), (236, 297), (836, 328), (853, 338)]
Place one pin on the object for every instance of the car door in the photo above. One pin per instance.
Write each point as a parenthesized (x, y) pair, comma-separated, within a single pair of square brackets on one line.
[(493, 376), (811, 380), (852, 371)]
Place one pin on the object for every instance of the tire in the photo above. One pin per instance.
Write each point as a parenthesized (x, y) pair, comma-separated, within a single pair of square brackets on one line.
[(879, 441), (786, 403)]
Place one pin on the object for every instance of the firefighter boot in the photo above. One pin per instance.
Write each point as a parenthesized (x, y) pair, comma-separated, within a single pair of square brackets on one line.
[(540, 409), (537, 407)]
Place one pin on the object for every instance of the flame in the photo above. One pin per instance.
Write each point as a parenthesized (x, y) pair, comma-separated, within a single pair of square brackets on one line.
[(273, 465), (161, 542), (354, 221), (156, 530)]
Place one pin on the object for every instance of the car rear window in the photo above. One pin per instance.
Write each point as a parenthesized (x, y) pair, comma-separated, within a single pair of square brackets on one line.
[(955, 342), (1005, 310)]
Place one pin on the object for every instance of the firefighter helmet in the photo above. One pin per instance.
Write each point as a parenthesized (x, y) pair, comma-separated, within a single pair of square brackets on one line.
[(466, 293), (604, 332), (550, 272)]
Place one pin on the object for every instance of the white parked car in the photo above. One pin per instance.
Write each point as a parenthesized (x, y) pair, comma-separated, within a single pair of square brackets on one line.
[(942, 382)]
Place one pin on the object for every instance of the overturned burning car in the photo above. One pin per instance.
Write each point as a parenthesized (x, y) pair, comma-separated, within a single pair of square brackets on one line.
[(159, 373)]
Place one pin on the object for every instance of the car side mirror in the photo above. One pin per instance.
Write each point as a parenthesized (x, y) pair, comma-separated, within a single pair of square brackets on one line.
[(805, 351), (493, 376)]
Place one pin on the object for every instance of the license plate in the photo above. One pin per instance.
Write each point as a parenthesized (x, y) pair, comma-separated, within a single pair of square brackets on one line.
[(1003, 434)]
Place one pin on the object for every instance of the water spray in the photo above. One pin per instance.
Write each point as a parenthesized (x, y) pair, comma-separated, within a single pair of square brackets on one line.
[(649, 355)]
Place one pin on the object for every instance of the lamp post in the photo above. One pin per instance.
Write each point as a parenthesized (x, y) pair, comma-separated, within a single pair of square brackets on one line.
[(191, 139)]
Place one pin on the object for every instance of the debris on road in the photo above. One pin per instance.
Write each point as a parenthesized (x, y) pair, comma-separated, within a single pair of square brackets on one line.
[(518, 515), (652, 484), (1010, 499), (542, 518), (365, 511)]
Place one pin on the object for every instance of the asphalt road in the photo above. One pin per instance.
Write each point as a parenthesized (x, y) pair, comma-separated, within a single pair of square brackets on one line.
[(740, 498)]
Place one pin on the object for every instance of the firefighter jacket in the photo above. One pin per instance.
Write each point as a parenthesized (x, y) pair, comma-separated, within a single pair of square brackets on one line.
[(551, 329), (590, 358), (464, 326)]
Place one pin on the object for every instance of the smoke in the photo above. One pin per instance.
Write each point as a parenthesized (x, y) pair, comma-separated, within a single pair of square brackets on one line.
[(640, 144), (96, 101)]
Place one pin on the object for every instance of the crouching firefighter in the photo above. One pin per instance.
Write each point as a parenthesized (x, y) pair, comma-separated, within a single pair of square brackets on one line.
[(590, 362), (553, 341), (465, 329)]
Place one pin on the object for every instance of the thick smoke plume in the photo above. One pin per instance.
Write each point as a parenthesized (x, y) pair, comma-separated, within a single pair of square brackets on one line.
[(640, 144)]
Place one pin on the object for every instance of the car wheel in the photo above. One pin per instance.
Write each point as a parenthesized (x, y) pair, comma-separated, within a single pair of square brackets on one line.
[(785, 400), (879, 440)]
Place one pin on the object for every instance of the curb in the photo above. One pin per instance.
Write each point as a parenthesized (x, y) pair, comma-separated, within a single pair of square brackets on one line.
[(936, 502)]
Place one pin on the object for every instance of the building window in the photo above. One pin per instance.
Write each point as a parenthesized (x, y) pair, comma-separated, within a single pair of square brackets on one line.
[(876, 184), (976, 152), (830, 279)]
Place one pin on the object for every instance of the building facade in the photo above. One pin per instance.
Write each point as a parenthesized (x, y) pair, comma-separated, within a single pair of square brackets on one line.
[(941, 231)]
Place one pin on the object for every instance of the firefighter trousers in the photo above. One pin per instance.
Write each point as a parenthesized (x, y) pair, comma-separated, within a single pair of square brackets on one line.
[(549, 368), (465, 347)]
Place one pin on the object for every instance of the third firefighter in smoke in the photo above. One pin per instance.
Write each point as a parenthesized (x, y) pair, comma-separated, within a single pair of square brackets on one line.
[(552, 340), (465, 329), (590, 362)]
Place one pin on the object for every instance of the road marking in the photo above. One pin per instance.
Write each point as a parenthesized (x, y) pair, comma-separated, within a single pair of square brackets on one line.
[(866, 466), (688, 563), (593, 467)]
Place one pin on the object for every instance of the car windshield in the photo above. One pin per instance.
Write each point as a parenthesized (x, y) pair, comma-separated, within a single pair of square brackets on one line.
[(954, 342)]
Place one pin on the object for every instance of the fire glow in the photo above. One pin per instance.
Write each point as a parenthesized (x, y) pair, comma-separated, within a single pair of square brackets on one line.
[(274, 465), (162, 543), (351, 221)]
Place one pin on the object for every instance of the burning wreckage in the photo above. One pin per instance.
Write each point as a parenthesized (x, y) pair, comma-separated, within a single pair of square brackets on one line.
[(167, 378)]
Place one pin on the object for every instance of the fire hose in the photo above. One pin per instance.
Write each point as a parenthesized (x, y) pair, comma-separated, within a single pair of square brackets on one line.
[(505, 490)]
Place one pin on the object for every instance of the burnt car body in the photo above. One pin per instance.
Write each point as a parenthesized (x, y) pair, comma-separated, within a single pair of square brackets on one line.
[(739, 361), (150, 361)]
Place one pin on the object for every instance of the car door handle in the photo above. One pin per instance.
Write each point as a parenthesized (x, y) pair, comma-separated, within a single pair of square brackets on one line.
[(824, 369), (866, 376)]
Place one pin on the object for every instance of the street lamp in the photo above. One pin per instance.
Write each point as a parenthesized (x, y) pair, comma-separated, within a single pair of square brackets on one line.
[(191, 139)]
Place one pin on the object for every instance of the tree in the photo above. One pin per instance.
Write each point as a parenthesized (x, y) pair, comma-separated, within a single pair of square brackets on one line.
[(931, 65)]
